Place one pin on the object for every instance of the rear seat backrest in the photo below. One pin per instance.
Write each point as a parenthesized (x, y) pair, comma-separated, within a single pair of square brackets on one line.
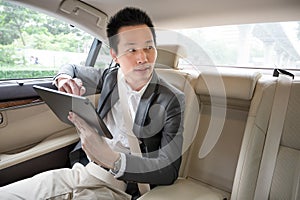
[(279, 174), (209, 174), (168, 56), (215, 164), (286, 177), (253, 141), (182, 81)]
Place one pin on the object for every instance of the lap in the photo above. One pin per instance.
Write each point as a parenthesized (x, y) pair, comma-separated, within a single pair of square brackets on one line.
[(75, 183)]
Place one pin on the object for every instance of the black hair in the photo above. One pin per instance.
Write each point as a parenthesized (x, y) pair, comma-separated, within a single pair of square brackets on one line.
[(128, 16)]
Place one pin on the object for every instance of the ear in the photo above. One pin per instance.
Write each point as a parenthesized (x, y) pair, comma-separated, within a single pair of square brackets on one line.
[(113, 54)]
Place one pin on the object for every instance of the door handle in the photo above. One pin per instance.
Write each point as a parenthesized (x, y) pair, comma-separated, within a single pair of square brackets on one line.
[(3, 120)]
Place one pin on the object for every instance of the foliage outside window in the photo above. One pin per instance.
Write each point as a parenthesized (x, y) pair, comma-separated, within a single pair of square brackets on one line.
[(34, 45)]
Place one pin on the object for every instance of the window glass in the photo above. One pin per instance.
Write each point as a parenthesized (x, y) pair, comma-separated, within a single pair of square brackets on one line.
[(266, 45), (104, 58), (34, 45)]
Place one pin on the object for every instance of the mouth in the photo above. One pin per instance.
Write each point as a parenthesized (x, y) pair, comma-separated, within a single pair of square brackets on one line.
[(142, 68)]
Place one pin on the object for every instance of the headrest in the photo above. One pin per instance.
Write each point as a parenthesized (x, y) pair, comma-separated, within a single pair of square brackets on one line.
[(168, 55), (236, 85), (174, 77)]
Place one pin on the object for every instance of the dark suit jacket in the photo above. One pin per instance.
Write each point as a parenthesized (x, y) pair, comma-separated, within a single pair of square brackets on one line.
[(158, 125)]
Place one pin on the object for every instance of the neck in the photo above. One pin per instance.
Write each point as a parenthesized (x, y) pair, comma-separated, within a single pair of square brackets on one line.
[(136, 86)]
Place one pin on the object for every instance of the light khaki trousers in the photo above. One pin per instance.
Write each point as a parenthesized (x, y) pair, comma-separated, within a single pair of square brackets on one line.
[(80, 182)]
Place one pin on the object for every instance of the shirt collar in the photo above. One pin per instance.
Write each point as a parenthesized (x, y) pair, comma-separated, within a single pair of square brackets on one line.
[(130, 91)]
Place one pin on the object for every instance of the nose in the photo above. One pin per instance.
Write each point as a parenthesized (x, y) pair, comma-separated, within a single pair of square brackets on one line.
[(141, 56)]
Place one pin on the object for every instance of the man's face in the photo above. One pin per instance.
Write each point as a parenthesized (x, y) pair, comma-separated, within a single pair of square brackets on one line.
[(136, 54)]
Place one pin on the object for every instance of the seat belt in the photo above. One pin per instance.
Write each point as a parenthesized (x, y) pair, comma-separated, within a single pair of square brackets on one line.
[(273, 137), (132, 139)]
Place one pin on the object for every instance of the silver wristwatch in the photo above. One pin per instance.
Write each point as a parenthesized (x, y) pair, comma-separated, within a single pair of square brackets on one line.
[(117, 166)]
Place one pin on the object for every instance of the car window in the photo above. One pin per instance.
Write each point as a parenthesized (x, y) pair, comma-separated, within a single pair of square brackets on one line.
[(104, 58), (35, 45), (264, 45)]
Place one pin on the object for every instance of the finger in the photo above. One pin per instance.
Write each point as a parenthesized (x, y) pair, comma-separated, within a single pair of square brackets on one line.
[(67, 88), (72, 86), (79, 83), (75, 88), (75, 119), (80, 123), (62, 89), (82, 91), (64, 85), (60, 84), (71, 118)]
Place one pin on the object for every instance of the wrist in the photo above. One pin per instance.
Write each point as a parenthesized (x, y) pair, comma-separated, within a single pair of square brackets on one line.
[(116, 165)]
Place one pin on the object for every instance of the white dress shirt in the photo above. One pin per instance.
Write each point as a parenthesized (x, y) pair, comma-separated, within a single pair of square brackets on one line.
[(115, 122)]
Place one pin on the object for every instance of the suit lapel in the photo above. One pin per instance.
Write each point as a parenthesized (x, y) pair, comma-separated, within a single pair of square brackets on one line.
[(110, 95), (145, 102), (109, 101)]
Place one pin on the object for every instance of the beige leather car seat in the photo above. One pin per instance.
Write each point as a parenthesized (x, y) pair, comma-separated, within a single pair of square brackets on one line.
[(286, 176), (224, 101), (168, 56), (253, 141), (183, 81), (252, 180)]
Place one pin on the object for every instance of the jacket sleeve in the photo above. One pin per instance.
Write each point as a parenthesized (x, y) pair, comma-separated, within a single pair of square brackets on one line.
[(90, 76), (161, 166)]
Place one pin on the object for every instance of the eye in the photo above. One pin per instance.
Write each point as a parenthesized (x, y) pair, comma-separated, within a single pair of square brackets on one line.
[(149, 47), (132, 50)]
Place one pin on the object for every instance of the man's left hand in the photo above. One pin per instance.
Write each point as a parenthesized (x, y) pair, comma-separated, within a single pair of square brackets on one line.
[(94, 145)]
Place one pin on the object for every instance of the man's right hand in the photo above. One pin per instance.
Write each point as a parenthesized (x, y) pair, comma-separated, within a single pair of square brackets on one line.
[(72, 86)]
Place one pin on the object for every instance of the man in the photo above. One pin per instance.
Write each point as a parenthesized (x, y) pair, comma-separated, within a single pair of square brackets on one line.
[(155, 112)]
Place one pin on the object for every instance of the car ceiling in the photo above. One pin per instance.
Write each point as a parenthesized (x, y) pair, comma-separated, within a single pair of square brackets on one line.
[(198, 13), (174, 14)]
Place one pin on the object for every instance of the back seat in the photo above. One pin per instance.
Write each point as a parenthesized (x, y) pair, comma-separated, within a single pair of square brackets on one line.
[(253, 141), (286, 177), (258, 178), (234, 167), (208, 173), (183, 81)]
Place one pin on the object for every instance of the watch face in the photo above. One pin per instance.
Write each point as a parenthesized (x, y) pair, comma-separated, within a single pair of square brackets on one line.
[(117, 166)]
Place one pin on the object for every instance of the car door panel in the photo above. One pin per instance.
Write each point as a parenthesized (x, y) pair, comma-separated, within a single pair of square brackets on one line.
[(31, 131)]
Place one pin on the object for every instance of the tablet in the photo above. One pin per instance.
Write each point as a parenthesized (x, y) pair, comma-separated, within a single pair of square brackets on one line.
[(62, 103)]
